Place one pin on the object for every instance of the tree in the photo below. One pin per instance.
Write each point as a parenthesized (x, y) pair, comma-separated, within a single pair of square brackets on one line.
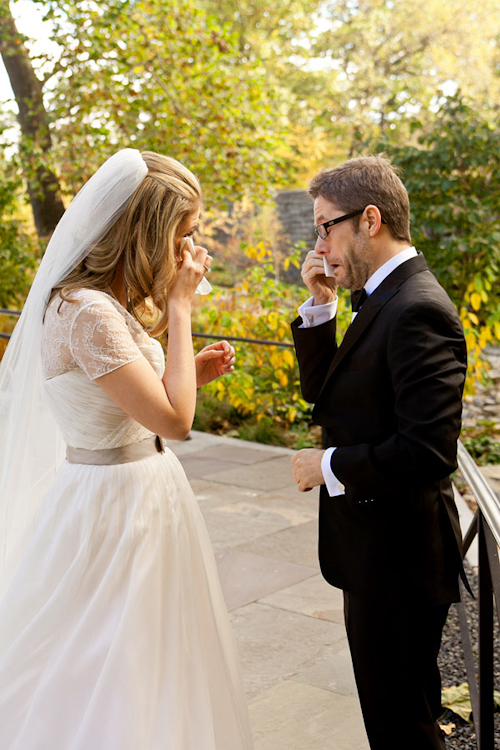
[(247, 97), (385, 60), (142, 74), (354, 69), (452, 176), (43, 185), (165, 78), (268, 36)]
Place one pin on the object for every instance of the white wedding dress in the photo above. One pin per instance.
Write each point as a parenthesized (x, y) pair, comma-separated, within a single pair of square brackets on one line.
[(114, 634)]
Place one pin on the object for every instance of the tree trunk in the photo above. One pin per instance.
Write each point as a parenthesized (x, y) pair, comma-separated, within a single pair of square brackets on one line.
[(43, 185)]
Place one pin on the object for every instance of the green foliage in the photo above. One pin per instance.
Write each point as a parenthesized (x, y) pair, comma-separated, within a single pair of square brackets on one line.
[(266, 430), (166, 78), (453, 179), (265, 384), (238, 91), (248, 97), (16, 251), (484, 449), (219, 417), (483, 441), (265, 35), (367, 66), (212, 415), (307, 436)]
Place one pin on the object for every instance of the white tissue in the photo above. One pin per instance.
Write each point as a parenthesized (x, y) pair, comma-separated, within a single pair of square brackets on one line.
[(328, 269), (204, 287)]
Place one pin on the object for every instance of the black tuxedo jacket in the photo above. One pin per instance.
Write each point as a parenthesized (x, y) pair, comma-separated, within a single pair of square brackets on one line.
[(389, 398)]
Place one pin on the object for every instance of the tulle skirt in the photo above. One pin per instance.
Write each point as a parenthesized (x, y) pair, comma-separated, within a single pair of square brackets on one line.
[(114, 634)]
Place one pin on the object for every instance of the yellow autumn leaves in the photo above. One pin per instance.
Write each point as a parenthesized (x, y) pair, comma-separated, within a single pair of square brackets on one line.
[(480, 329), (265, 383)]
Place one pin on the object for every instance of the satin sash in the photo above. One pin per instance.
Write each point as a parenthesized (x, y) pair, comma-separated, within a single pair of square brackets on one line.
[(111, 456)]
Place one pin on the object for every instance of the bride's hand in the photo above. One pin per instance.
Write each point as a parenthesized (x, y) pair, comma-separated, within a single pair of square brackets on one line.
[(190, 271), (213, 361)]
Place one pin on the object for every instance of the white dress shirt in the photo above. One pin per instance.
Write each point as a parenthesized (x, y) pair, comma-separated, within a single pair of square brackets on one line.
[(314, 315)]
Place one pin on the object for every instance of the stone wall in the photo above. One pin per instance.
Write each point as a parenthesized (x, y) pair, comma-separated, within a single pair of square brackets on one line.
[(294, 209), (295, 212)]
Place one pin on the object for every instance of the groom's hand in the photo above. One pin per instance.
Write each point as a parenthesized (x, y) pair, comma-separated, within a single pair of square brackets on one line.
[(306, 467), (322, 288)]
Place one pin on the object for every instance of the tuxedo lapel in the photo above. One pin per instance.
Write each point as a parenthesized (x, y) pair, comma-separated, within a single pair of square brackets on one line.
[(362, 320), (382, 294)]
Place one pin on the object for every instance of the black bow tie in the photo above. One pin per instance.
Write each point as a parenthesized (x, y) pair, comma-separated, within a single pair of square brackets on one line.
[(358, 296)]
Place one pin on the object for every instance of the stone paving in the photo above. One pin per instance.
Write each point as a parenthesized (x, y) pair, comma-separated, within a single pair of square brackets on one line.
[(287, 620)]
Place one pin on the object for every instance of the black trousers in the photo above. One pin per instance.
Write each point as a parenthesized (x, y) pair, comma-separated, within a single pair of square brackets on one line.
[(394, 647)]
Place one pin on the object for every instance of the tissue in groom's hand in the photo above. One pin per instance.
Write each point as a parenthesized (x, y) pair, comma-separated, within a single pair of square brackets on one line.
[(328, 269)]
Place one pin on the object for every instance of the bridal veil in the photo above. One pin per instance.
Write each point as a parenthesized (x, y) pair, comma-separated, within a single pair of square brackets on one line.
[(31, 446)]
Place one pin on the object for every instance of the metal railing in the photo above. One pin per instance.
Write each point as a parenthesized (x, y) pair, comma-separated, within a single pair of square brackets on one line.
[(12, 313), (195, 334), (486, 527), (244, 340)]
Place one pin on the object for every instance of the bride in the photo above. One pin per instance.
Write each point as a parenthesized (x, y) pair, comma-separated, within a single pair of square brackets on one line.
[(113, 630)]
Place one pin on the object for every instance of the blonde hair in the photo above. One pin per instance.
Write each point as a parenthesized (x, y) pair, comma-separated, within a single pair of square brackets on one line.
[(142, 239)]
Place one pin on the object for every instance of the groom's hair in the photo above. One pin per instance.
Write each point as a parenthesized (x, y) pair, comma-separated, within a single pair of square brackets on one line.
[(363, 181)]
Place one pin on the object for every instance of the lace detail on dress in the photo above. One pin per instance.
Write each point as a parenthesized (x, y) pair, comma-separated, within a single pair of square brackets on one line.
[(94, 333)]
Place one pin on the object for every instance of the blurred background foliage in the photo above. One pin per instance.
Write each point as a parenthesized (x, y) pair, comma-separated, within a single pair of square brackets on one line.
[(17, 244), (452, 175), (254, 99), (261, 400)]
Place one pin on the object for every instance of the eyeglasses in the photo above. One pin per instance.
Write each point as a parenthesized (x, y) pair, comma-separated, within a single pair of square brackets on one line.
[(322, 229)]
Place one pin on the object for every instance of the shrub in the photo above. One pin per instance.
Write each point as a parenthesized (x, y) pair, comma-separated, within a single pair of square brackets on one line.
[(452, 176), (17, 260), (265, 384)]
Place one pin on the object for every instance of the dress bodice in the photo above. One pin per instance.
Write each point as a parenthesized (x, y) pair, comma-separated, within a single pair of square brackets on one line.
[(83, 340)]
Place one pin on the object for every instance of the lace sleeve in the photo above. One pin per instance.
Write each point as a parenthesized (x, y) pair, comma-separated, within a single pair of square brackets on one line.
[(100, 340)]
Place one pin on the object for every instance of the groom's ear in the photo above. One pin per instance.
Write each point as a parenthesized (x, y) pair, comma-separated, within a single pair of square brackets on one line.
[(372, 218)]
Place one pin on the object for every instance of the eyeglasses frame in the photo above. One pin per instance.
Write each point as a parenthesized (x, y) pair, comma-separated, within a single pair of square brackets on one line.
[(332, 222)]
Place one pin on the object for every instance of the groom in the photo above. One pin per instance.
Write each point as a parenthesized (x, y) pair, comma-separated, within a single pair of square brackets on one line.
[(389, 400)]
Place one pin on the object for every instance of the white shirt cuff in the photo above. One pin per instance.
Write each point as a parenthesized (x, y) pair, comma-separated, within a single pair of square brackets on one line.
[(315, 315), (333, 485)]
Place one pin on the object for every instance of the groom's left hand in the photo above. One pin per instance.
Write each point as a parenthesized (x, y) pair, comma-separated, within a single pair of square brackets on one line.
[(306, 467)]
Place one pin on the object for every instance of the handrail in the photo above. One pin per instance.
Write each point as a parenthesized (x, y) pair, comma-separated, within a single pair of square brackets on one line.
[(195, 334), (486, 499), (4, 311), (486, 527), (12, 313), (267, 342)]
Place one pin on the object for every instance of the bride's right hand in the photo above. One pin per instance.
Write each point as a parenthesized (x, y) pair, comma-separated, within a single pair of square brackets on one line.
[(190, 271)]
